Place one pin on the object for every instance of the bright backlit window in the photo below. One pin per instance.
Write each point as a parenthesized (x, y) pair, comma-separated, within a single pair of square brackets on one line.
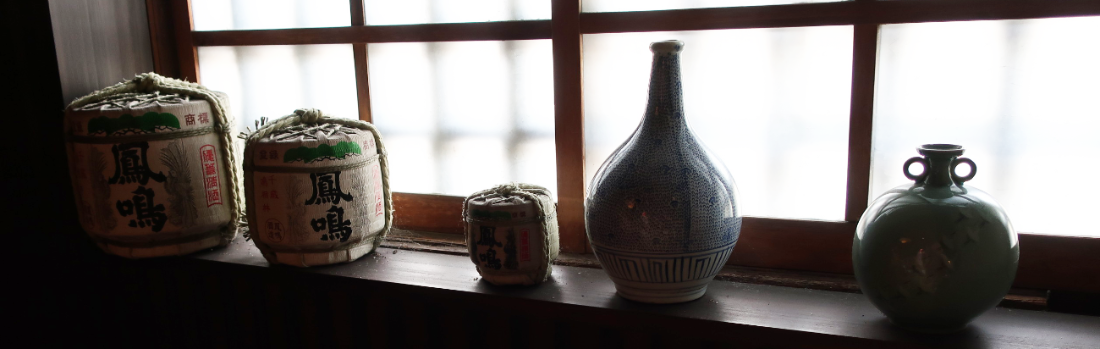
[(772, 104), (1023, 97)]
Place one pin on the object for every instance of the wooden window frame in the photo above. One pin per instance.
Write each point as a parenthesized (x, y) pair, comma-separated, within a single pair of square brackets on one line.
[(1047, 262)]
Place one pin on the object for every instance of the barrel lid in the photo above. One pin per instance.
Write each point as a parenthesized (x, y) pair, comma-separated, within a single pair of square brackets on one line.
[(499, 200)]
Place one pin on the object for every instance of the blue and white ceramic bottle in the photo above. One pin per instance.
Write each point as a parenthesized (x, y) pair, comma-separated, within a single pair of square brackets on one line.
[(662, 213)]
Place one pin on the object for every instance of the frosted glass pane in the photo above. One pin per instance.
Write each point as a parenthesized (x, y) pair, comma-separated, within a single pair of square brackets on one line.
[(273, 81), (459, 117), (651, 5), (389, 12), (770, 103), (1023, 98), (269, 14)]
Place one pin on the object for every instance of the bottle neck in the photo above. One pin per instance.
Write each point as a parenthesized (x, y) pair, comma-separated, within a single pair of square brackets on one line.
[(665, 108), (939, 170)]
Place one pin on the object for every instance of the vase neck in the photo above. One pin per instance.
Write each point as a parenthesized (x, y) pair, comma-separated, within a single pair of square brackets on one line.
[(665, 108), (939, 170)]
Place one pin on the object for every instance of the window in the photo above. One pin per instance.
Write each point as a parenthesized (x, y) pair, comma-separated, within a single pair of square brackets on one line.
[(862, 73)]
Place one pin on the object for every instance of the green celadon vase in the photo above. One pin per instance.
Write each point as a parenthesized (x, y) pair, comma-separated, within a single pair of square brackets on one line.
[(935, 254)]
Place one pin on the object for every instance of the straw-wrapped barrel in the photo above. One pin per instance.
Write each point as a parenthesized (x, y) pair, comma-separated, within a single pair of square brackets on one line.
[(317, 189), (512, 233), (150, 170)]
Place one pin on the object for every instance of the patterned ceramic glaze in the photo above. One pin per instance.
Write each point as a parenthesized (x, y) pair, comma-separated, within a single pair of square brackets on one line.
[(662, 214), (934, 255)]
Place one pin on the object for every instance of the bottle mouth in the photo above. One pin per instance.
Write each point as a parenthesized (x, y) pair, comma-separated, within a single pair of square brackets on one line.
[(941, 149), (667, 47)]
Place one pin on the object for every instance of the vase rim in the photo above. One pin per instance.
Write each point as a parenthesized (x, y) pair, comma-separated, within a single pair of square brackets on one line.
[(944, 149), (667, 47)]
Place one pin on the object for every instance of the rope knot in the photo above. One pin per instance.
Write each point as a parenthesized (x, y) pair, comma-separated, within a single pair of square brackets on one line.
[(146, 82), (309, 115), (507, 189)]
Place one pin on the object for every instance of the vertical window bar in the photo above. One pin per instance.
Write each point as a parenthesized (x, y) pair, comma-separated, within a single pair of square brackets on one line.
[(188, 53), (569, 124), (362, 81), (864, 56)]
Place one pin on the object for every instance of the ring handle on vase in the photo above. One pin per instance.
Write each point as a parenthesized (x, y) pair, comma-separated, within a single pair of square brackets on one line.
[(959, 179), (924, 173)]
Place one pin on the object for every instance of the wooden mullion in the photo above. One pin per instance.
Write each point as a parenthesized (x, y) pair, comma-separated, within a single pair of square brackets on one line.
[(569, 124), (833, 13), (187, 51), (860, 119), (362, 80), (162, 38), (426, 212), (1046, 262), (495, 31)]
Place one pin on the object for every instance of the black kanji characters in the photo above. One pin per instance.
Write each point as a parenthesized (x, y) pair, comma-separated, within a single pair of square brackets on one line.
[(146, 212), (488, 238), (510, 261), (338, 227), (326, 189), (131, 165)]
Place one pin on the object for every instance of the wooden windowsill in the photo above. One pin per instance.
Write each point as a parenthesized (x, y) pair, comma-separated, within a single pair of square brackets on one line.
[(731, 312)]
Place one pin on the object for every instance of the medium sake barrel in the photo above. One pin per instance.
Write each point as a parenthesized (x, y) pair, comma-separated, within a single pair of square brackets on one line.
[(149, 174), (317, 189), (512, 233)]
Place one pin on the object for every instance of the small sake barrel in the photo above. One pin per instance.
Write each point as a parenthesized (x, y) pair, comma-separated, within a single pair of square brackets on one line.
[(512, 233), (315, 193), (149, 175)]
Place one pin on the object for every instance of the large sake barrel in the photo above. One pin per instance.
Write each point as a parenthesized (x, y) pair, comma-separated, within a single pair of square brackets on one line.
[(317, 189), (150, 169)]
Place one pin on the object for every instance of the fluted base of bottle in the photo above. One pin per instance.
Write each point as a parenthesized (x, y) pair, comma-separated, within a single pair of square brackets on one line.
[(661, 293)]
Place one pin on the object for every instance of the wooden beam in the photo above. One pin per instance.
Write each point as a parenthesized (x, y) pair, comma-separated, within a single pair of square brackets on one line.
[(511, 30), (816, 246), (864, 57), (162, 37), (186, 50), (362, 80), (424, 212), (1053, 262), (834, 13), (1047, 262), (569, 124)]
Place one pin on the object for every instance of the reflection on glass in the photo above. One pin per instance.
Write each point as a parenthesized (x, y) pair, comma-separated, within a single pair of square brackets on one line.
[(273, 81), (269, 14), (459, 117), (390, 12), (652, 5), (1021, 96), (771, 103)]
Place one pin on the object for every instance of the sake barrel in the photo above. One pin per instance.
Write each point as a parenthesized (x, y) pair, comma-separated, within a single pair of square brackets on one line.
[(317, 189), (149, 173), (512, 233)]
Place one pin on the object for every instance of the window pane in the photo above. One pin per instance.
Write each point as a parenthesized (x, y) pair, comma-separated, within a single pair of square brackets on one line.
[(269, 14), (651, 5), (389, 12), (771, 103), (273, 81), (459, 117), (1023, 98)]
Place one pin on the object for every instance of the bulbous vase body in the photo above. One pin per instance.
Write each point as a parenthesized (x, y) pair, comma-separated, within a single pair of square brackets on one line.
[(934, 255), (662, 214)]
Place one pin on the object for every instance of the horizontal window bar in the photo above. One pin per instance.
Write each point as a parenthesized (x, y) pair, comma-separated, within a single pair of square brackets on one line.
[(793, 15), (836, 13), (514, 30), (1046, 261)]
